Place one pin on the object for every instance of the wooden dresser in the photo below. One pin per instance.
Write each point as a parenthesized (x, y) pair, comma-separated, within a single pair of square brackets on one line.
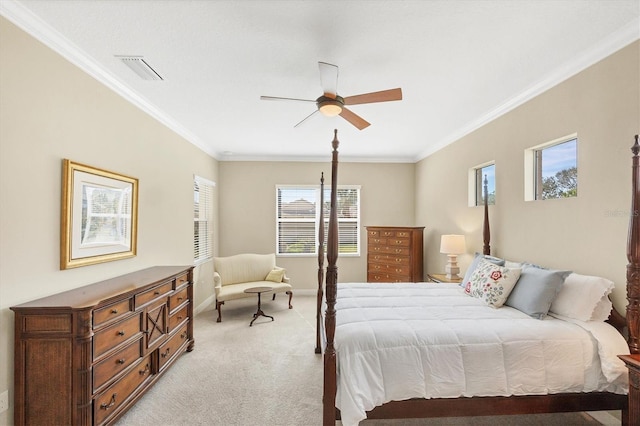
[(87, 355), (394, 254)]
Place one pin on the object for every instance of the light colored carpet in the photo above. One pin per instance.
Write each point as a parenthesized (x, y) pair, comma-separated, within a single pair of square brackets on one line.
[(267, 375)]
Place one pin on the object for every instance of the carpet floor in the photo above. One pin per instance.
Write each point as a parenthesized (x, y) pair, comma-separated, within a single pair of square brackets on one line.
[(269, 375)]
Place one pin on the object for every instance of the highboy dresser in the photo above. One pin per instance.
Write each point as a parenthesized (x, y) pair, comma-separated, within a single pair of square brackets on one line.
[(394, 254), (85, 356)]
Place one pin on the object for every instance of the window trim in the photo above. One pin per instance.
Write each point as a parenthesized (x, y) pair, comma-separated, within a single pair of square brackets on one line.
[(532, 166), (316, 219), (475, 186)]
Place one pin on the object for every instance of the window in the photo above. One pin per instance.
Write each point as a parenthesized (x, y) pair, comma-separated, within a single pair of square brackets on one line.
[(477, 176), (202, 219), (552, 169), (297, 218)]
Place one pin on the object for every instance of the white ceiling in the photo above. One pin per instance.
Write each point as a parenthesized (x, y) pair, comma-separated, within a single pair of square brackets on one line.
[(459, 63)]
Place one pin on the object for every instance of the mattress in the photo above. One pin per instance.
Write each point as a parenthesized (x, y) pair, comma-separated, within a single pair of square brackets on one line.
[(425, 340)]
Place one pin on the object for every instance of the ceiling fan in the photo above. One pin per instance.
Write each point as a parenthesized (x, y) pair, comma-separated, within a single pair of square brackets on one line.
[(331, 104)]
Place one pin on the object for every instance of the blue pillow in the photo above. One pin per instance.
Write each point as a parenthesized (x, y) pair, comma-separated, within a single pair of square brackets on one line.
[(474, 264), (535, 290)]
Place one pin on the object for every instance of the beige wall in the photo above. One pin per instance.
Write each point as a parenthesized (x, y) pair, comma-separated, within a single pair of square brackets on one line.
[(50, 110), (586, 234), (248, 212)]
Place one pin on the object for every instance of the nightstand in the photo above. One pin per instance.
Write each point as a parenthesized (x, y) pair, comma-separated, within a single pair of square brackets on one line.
[(633, 364), (442, 278)]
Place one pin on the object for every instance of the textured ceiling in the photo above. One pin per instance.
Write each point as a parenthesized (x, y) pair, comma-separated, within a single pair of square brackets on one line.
[(459, 64)]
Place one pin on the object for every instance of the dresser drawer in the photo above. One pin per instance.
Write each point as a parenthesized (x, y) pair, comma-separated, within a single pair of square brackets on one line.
[(178, 318), (377, 241), (403, 234), (390, 269), (106, 404), (114, 364), (387, 233), (181, 280), (178, 298), (171, 348), (373, 233), (383, 277), (152, 294), (399, 241), (397, 250), (116, 334), (111, 312), (388, 259)]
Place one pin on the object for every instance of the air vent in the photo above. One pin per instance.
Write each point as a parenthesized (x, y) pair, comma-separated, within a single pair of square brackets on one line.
[(140, 67)]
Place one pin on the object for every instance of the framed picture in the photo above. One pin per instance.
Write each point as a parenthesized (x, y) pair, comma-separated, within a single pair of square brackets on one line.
[(99, 216)]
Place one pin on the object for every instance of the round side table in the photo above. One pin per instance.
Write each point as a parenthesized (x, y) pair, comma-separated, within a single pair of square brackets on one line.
[(259, 291)]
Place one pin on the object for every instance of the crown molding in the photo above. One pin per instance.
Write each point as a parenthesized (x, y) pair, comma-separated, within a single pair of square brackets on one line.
[(606, 47)]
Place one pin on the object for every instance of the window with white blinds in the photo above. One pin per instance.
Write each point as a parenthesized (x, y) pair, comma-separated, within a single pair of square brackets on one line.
[(297, 218), (202, 219)]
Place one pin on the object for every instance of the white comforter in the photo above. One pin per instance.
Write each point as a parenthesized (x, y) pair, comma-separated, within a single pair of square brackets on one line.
[(417, 340)]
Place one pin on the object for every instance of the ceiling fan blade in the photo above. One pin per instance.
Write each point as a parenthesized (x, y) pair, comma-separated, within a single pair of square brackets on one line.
[(368, 98), (305, 119), (275, 98), (329, 79), (354, 119)]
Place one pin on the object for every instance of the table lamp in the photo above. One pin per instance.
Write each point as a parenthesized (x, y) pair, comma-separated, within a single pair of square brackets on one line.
[(452, 246)]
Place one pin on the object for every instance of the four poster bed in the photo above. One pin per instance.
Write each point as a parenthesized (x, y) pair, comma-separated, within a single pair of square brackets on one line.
[(414, 350)]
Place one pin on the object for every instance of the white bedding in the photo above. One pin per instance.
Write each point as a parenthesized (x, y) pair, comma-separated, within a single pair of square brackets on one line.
[(419, 340)]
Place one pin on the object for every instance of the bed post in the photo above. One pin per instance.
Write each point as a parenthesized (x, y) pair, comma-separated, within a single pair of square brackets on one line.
[(486, 233), (320, 266), (633, 256), (329, 396)]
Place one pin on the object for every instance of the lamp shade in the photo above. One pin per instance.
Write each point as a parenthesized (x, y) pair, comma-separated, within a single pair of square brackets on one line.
[(452, 244)]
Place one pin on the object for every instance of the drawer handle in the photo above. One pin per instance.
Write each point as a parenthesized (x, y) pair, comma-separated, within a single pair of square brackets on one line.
[(121, 333), (183, 335), (179, 318), (145, 371), (166, 353), (398, 260), (114, 311), (111, 403), (155, 293), (179, 299), (120, 361)]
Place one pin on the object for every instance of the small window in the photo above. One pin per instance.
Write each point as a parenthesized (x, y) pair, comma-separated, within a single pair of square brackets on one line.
[(553, 170), (202, 219), (297, 219), (478, 176)]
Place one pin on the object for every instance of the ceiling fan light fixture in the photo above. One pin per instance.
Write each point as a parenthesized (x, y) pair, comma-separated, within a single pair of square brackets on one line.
[(330, 107)]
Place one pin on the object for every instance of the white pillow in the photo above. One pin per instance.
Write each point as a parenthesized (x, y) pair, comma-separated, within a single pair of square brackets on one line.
[(492, 283), (583, 297)]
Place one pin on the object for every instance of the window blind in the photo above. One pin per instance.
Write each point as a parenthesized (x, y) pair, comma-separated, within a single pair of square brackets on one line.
[(202, 219), (297, 219)]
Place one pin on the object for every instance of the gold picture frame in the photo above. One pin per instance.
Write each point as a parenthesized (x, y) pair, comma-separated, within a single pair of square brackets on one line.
[(99, 216)]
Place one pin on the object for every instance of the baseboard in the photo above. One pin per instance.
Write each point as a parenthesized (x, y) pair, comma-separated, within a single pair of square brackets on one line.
[(209, 302)]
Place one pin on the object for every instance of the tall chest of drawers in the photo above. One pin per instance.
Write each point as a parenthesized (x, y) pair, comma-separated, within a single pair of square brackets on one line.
[(85, 356), (394, 254)]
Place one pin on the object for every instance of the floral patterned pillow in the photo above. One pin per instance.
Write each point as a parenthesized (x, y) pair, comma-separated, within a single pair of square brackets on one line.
[(492, 283)]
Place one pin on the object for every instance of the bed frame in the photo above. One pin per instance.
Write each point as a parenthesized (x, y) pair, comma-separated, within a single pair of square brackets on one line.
[(474, 406)]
